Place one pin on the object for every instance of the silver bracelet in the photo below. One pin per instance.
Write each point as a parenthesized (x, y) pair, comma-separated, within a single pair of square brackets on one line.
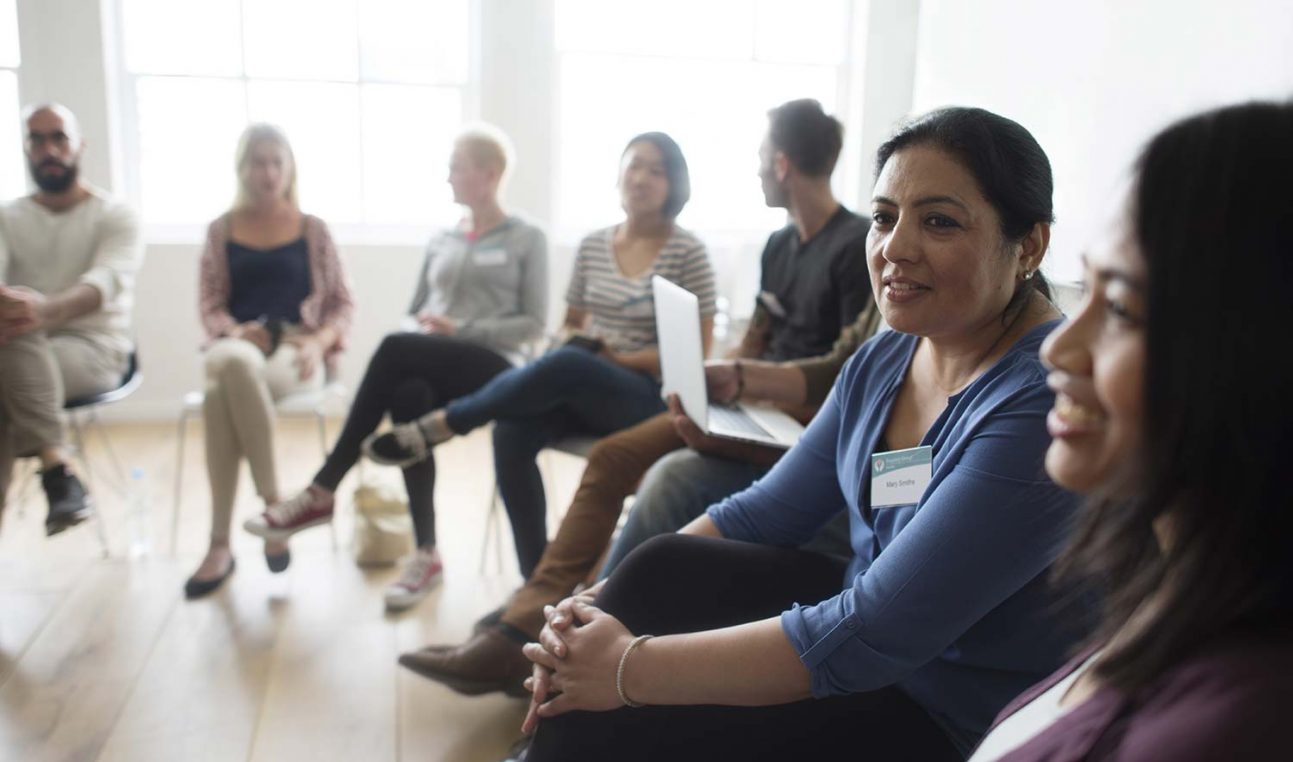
[(619, 673)]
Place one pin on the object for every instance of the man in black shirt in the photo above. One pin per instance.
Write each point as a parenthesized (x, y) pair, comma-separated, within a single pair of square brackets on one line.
[(810, 288), (814, 279)]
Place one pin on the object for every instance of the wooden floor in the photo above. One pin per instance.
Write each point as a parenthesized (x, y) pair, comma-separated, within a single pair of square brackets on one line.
[(103, 659)]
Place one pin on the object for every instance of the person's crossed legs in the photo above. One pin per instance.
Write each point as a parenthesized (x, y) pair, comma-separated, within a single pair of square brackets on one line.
[(37, 372)]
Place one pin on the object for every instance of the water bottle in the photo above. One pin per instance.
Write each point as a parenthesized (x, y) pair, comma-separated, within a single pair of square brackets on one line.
[(138, 516)]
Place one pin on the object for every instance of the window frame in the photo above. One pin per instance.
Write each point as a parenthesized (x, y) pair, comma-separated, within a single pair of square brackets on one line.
[(24, 184), (845, 181), (350, 233)]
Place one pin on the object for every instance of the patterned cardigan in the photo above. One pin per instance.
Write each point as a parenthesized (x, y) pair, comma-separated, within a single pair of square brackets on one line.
[(329, 303)]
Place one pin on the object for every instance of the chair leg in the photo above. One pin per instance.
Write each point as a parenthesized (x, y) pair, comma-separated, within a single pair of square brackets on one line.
[(491, 529), (120, 473), (180, 435), (493, 532), (78, 440), (322, 422), (499, 548), (22, 488), (78, 445)]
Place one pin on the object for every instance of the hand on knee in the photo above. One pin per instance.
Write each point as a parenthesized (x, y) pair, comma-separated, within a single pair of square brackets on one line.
[(229, 355)]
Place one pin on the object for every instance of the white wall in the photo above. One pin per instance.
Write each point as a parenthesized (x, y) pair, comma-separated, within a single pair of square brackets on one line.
[(65, 54), (1093, 80)]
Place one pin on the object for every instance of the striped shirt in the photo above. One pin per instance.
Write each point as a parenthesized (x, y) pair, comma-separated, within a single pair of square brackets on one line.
[(621, 310)]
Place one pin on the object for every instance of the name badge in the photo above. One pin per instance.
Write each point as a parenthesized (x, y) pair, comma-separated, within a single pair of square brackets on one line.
[(772, 304), (490, 257), (900, 477)]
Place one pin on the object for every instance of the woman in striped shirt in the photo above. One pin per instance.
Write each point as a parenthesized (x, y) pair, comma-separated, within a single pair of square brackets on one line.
[(605, 375)]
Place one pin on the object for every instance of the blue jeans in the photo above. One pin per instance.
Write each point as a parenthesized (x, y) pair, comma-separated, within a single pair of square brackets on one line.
[(677, 489), (566, 392), (682, 484)]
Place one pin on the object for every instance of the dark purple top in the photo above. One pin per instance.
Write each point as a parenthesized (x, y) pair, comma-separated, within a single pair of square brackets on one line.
[(1233, 700)]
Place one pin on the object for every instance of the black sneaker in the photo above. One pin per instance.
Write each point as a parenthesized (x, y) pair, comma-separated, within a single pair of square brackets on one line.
[(402, 446), (69, 503)]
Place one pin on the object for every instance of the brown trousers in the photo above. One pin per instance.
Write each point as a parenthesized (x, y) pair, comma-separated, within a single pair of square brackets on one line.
[(615, 466)]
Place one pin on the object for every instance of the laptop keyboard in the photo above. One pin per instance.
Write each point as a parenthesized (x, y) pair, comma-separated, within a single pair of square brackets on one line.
[(736, 421)]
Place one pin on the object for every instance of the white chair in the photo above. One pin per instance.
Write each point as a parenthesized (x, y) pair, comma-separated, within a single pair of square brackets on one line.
[(301, 405), (579, 446)]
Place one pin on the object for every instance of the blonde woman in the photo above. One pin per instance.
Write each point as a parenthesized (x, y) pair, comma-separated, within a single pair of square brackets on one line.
[(276, 310), (481, 295)]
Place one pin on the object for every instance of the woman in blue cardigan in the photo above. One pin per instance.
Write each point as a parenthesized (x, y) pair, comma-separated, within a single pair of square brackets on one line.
[(932, 441)]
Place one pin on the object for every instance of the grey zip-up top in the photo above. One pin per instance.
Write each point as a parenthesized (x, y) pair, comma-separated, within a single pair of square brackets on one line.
[(495, 286)]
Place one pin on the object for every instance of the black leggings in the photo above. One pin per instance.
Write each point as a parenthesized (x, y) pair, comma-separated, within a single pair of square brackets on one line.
[(679, 583), (409, 375)]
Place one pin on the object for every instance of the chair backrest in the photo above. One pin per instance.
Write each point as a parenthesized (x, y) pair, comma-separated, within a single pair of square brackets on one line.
[(130, 381)]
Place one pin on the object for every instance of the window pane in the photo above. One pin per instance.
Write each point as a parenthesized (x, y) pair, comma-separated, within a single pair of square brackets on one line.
[(408, 132), (196, 37), (13, 170), (322, 122), (801, 31), (9, 54), (301, 39), (188, 131), (710, 29), (414, 41), (608, 99)]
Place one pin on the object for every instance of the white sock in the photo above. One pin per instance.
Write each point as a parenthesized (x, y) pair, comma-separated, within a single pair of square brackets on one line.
[(435, 428)]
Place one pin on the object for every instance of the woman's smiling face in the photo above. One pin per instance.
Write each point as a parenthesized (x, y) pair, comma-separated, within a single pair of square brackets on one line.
[(1097, 361), (940, 264)]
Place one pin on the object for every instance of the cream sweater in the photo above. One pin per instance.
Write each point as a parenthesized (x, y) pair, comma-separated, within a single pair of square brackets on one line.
[(95, 242)]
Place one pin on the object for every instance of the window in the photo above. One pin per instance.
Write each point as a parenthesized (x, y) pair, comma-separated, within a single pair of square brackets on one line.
[(370, 92), (706, 73), (13, 170)]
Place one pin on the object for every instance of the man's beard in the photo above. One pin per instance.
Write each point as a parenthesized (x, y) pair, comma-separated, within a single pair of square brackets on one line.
[(54, 183)]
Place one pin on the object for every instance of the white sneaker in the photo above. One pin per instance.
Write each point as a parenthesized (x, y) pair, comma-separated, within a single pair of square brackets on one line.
[(421, 573), (402, 446)]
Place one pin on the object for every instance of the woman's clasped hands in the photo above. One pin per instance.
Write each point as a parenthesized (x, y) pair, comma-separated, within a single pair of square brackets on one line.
[(576, 660)]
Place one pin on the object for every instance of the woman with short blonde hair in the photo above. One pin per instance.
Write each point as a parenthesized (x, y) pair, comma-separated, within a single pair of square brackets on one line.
[(481, 295)]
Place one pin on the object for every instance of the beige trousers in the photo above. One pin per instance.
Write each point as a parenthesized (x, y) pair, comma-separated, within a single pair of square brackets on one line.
[(242, 385), (38, 371)]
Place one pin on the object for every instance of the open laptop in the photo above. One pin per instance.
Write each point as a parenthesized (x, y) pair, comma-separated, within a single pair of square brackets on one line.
[(682, 364)]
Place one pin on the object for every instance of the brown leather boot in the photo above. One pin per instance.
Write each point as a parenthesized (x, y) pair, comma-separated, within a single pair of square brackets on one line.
[(488, 662)]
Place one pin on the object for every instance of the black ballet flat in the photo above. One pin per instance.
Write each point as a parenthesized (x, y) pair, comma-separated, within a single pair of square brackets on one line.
[(278, 562), (198, 588)]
